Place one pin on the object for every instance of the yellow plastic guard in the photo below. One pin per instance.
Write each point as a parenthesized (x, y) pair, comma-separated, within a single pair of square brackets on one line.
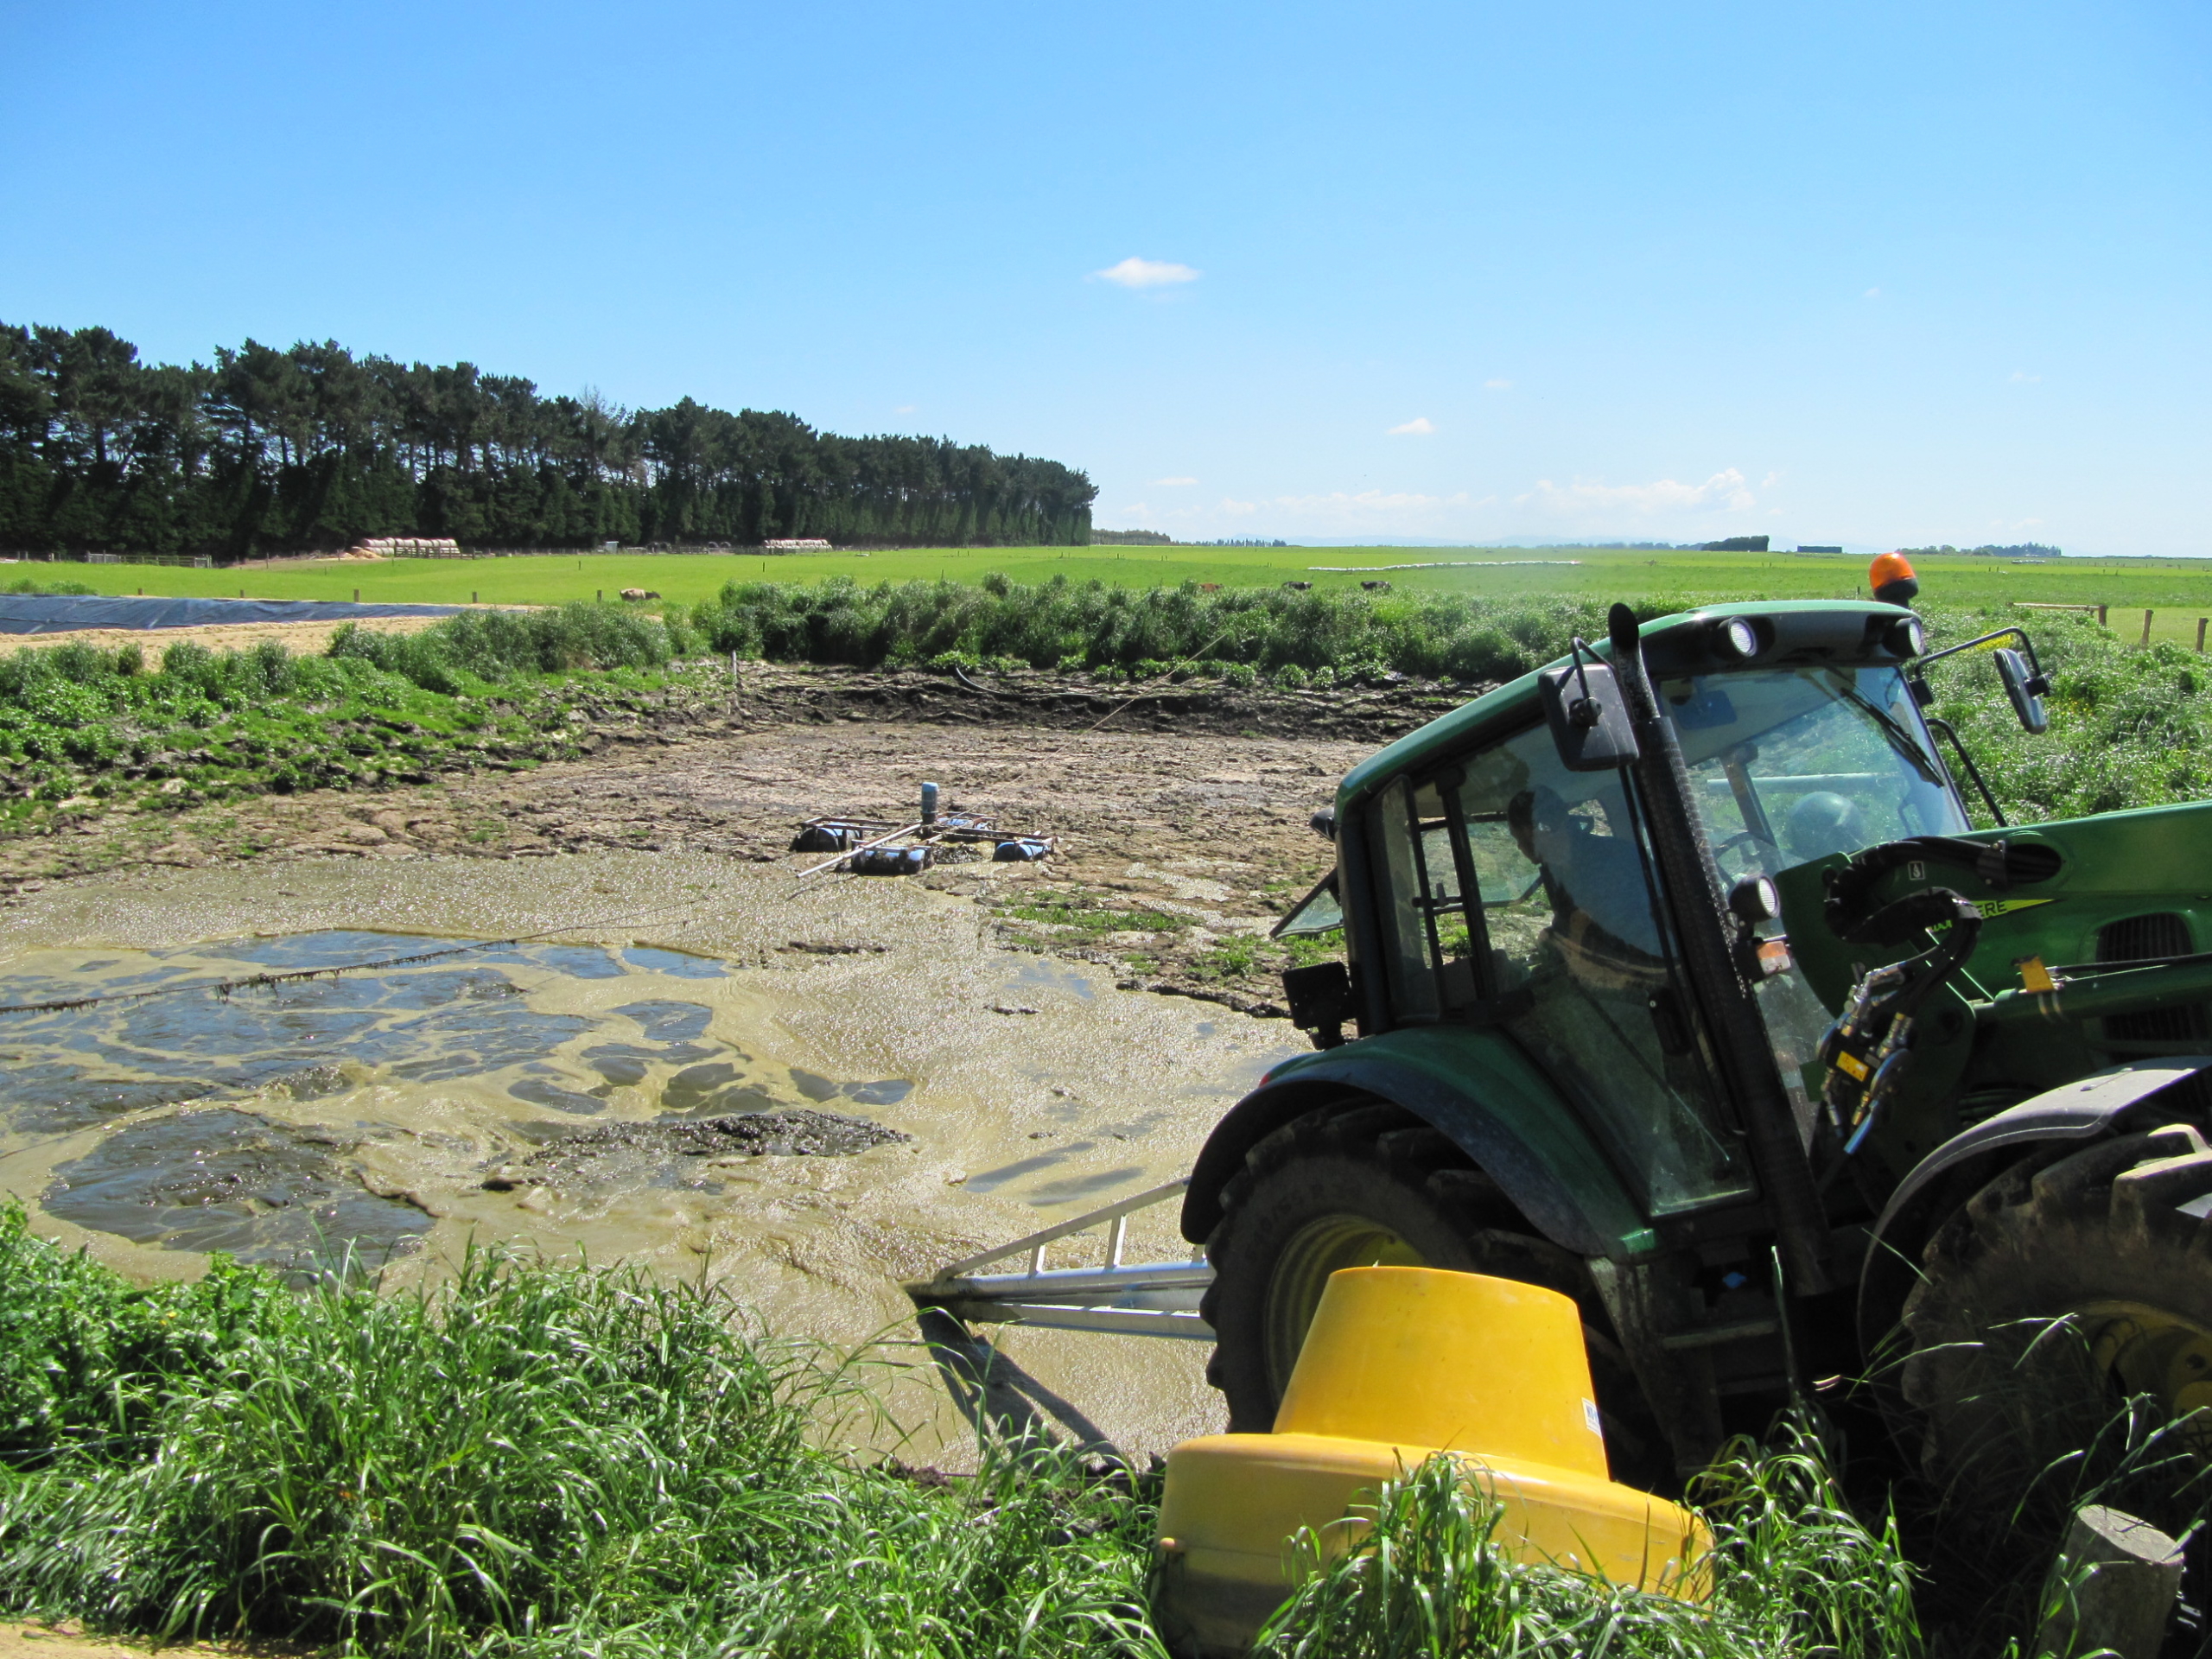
[(1401, 1363)]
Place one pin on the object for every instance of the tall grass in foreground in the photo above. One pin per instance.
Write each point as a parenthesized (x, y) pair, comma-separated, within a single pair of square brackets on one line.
[(1793, 1573), (536, 1460), (525, 1458)]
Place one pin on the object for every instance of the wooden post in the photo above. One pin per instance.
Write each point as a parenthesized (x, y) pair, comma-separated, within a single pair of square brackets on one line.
[(2147, 627), (2201, 621), (357, 595), (2112, 1587), (2100, 616)]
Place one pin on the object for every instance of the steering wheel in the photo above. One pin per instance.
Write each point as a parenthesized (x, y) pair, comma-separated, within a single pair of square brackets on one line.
[(1737, 842)]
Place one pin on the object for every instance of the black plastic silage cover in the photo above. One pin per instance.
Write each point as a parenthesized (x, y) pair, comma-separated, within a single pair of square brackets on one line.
[(64, 613)]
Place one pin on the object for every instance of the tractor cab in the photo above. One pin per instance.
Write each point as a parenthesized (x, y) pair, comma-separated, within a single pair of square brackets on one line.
[(1493, 873)]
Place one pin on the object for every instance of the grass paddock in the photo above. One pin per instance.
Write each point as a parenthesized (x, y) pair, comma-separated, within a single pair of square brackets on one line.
[(2178, 590)]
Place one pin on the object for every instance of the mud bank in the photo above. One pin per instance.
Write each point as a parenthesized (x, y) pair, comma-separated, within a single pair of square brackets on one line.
[(428, 1108)]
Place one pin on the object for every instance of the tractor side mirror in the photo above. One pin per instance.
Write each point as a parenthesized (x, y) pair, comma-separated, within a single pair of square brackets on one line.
[(2026, 687), (1589, 719)]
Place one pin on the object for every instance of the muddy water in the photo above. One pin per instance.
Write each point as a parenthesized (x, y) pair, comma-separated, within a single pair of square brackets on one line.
[(928, 1092)]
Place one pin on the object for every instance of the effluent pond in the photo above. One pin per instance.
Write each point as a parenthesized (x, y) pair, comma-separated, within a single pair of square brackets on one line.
[(813, 1094)]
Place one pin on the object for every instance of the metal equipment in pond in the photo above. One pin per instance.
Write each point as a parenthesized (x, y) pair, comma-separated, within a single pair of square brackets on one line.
[(1685, 980), (863, 847)]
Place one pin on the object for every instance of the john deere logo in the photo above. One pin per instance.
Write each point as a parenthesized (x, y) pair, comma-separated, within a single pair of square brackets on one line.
[(1992, 908)]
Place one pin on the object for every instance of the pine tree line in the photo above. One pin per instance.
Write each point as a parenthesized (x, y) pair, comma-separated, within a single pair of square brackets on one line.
[(271, 451)]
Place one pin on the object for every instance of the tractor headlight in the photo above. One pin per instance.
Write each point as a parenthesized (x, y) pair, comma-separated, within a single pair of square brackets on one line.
[(1737, 640), (1906, 638)]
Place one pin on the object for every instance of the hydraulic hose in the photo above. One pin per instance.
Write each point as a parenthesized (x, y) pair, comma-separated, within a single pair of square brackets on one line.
[(1739, 1035), (2099, 994), (1868, 1051)]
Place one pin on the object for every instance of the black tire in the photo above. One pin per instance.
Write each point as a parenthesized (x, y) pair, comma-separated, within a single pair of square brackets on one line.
[(2059, 1291), (1364, 1184)]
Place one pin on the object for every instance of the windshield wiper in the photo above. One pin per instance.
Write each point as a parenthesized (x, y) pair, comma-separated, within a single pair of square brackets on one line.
[(1894, 730)]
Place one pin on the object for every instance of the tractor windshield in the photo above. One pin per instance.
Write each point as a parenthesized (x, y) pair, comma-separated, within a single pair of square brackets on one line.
[(1793, 764)]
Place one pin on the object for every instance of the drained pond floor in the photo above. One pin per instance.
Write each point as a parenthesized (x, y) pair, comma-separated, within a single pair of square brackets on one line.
[(812, 1091)]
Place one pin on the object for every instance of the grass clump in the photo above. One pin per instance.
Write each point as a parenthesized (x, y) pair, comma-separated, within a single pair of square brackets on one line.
[(482, 689), (1235, 634), (496, 646), (523, 1458), (1089, 919), (1793, 1573)]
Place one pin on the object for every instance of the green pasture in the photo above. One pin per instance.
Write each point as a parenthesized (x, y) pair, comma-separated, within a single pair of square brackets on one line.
[(1505, 571), (2176, 591)]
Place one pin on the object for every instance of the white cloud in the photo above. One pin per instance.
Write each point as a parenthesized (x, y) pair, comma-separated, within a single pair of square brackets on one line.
[(1729, 490), (1146, 273), (903, 408), (1174, 483), (2022, 377), (1498, 386), (1769, 480), (1871, 294), (1419, 427)]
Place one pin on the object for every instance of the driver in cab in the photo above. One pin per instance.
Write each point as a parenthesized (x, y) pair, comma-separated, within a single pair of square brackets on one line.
[(1602, 924)]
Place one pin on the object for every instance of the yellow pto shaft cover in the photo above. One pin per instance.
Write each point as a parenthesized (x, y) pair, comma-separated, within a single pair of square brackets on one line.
[(1401, 1364)]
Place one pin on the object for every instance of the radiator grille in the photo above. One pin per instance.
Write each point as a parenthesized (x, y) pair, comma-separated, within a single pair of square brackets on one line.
[(2140, 939)]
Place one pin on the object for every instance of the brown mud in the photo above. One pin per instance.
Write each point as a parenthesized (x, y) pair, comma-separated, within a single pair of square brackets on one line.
[(1182, 810), (985, 1025)]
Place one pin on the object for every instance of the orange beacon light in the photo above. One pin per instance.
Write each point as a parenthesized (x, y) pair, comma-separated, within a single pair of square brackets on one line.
[(1891, 578)]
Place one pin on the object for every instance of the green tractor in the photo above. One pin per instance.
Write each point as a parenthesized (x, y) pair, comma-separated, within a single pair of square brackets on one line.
[(1682, 982)]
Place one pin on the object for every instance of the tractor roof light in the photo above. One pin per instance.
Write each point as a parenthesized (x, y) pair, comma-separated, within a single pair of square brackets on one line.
[(1737, 640), (1906, 638)]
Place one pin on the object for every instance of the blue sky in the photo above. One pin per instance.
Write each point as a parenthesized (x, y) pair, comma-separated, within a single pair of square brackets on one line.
[(1875, 274)]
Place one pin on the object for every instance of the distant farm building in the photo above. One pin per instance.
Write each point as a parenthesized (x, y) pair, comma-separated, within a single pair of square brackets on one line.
[(406, 547), (797, 544)]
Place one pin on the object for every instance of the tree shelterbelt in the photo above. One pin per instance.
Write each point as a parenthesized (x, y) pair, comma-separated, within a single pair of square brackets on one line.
[(271, 451)]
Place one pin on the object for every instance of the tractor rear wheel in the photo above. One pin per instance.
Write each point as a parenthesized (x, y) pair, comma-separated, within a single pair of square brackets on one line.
[(1366, 1184), (2054, 1297)]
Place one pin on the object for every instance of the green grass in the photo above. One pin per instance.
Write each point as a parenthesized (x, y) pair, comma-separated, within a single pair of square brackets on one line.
[(481, 689), (532, 1460), (1087, 918), (1794, 1571), (523, 1459), (2182, 587)]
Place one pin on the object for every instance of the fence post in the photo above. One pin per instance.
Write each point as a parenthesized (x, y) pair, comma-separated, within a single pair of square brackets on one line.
[(2100, 616), (2201, 621), (2112, 1587), (2147, 627)]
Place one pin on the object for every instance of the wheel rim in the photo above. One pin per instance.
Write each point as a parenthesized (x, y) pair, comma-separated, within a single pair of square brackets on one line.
[(2150, 1350), (1316, 1250)]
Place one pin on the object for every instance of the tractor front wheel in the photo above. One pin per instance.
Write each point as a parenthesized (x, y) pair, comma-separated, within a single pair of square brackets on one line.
[(2056, 1297), (1366, 1184)]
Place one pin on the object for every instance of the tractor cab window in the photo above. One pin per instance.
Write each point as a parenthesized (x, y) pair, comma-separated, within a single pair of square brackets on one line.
[(1794, 764), (1791, 765), (1428, 949), (1522, 894)]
